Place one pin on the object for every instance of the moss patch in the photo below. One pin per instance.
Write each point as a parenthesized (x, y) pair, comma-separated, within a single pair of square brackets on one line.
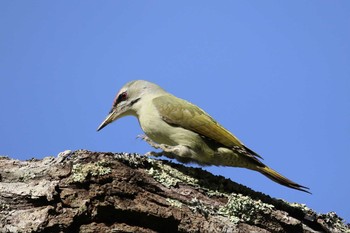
[(240, 208), (80, 172), (169, 176), (333, 221)]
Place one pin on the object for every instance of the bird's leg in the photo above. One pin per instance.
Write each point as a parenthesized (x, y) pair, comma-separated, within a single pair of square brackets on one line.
[(149, 141), (154, 154), (168, 151), (153, 144)]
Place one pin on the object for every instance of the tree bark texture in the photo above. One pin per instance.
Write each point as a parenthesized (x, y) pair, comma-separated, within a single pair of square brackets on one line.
[(84, 191)]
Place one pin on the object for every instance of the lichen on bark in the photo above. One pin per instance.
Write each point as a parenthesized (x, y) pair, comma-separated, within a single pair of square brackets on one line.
[(84, 191)]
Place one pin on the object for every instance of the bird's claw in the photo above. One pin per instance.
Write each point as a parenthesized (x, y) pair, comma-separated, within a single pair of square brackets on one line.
[(153, 154), (145, 138), (141, 136), (163, 147), (149, 141)]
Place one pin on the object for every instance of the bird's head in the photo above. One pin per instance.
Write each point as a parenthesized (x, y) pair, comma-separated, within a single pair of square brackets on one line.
[(128, 98)]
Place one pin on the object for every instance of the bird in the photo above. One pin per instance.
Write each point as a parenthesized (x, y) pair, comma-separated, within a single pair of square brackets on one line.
[(185, 132)]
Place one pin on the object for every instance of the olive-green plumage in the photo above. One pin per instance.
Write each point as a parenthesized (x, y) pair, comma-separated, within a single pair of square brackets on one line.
[(174, 110), (185, 132)]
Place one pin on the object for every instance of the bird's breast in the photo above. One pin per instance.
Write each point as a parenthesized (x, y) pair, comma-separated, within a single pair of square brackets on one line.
[(154, 126), (161, 132)]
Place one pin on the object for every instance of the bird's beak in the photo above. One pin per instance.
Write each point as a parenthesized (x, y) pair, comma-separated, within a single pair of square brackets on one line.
[(117, 112), (109, 119)]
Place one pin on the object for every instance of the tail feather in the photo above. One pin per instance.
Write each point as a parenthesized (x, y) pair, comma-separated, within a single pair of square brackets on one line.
[(275, 176)]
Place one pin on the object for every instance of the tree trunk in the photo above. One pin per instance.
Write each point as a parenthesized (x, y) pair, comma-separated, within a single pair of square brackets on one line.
[(85, 191)]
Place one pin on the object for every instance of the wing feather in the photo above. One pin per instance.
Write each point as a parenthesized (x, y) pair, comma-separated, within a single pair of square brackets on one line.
[(179, 112)]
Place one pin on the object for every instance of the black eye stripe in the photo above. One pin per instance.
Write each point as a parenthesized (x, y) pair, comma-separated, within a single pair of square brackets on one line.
[(135, 101), (123, 96)]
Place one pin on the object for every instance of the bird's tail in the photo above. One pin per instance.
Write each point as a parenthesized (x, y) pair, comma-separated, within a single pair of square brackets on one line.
[(275, 176)]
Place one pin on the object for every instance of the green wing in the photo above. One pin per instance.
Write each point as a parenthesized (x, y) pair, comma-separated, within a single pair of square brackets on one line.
[(179, 112)]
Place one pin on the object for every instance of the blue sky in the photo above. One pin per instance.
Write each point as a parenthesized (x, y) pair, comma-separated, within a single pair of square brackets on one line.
[(275, 73)]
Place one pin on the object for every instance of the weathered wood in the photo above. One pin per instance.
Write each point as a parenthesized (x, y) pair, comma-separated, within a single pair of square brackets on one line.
[(85, 191)]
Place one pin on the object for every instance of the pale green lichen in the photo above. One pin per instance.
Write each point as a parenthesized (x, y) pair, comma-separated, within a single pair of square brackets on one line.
[(303, 207), (309, 213), (198, 206), (334, 222), (81, 171), (240, 208), (4, 206), (83, 207), (215, 193), (174, 202), (26, 176), (169, 176)]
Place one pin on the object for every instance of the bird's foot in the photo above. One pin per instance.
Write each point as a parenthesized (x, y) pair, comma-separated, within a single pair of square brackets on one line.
[(168, 151), (148, 140), (153, 144), (153, 154)]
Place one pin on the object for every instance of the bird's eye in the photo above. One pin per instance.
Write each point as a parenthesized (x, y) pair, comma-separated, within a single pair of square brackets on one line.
[(123, 96)]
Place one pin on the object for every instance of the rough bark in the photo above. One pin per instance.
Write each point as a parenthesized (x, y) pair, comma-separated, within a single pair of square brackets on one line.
[(85, 191)]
